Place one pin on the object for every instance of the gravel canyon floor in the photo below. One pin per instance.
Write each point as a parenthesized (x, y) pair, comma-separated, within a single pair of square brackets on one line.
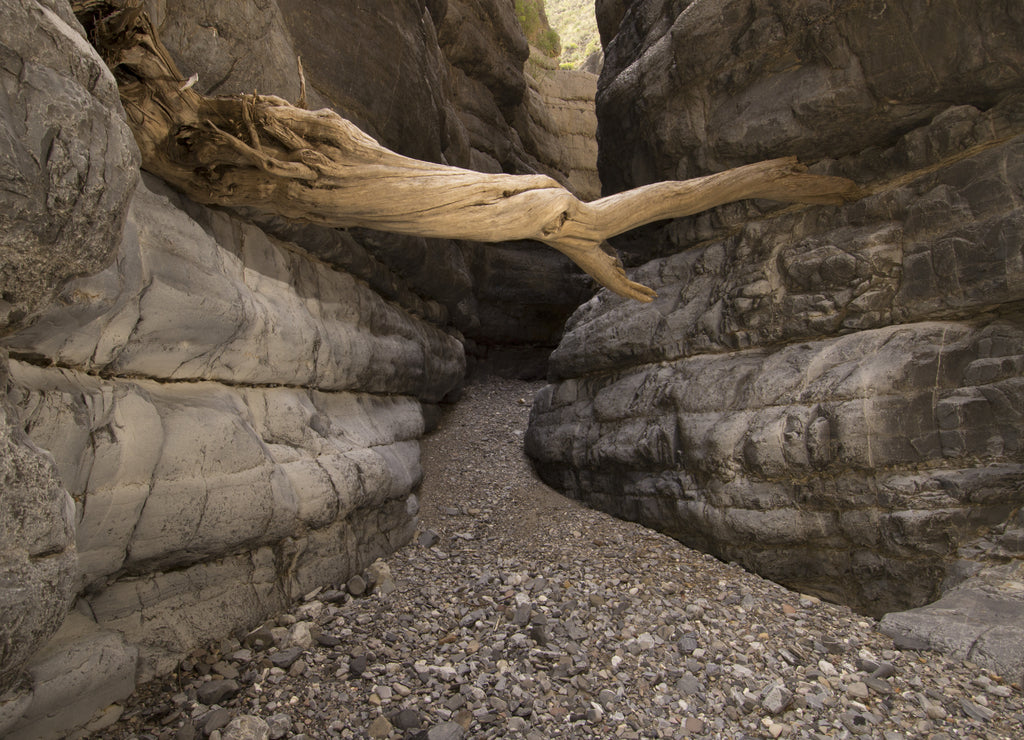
[(519, 613)]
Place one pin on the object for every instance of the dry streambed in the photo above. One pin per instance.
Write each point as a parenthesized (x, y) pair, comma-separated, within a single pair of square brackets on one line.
[(518, 613)]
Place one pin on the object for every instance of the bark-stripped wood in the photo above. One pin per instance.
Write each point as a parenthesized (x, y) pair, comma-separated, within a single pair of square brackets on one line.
[(260, 151)]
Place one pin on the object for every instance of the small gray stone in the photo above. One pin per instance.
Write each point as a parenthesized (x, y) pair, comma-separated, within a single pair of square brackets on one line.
[(428, 538), (975, 711), (884, 670), (379, 728), (607, 697), (776, 699), (357, 665), (215, 692), (285, 658), (225, 669), (688, 685), (260, 638), (407, 719), (327, 639), (688, 644), (378, 575), (858, 690), (446, 731), (279, 725), (517, 724), (216, 720), (878, 685), (356, 585), (246, 727), (522, 615)]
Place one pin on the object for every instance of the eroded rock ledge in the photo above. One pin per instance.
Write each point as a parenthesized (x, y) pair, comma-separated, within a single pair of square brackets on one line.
[(830, 396)]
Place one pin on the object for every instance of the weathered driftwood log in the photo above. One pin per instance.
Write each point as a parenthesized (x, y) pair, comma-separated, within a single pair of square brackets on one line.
[(260, 151)]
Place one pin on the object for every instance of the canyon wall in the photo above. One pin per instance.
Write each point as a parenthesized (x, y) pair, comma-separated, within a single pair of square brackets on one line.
[(207, 414), (442, 81), (831, 396)]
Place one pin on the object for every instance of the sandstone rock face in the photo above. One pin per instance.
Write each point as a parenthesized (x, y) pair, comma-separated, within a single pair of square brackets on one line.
[(563, 124), (830, 396)]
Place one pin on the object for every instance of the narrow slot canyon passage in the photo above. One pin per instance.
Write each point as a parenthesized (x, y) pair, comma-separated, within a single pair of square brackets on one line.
[(519, 613)]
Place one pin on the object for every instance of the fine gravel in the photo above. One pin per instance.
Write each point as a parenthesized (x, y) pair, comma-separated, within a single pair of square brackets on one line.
[(518, 613)]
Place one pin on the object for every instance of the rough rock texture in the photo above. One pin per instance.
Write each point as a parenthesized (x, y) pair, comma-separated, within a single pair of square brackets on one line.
[(981, 620), (68, 168), (830, 396), (37, 549), (68, 163)]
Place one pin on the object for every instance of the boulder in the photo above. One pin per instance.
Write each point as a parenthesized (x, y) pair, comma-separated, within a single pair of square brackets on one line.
[(830, 396), (69, 163), (37, 548)]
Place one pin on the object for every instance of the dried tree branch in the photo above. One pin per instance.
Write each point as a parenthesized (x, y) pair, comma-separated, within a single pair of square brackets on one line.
[(260, 151)]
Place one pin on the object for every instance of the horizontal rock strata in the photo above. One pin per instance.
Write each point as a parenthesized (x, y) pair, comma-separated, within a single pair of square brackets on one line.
[(829, 396), (236, 422)]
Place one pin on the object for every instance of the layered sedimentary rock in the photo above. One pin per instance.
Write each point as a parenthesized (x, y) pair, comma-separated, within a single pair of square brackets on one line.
[(563, 125), (68, 167), (830, 396), (236, 422), (200, 421)]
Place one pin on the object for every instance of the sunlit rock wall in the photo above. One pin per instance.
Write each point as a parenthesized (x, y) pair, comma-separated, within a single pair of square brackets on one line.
[(200, 421)]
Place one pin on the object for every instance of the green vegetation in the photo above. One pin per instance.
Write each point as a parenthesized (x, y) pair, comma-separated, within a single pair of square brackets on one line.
[(576, 25), (535, 25), (571, 32)]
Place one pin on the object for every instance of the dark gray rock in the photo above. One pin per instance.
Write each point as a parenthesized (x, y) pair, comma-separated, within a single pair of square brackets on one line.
[(803, 463), (829, 396), (356, 585), (285, 658), (216, 691), (814, 79), (981, 620)]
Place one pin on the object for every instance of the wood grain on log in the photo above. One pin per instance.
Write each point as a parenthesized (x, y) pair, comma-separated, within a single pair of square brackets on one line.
[(260, 151)]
